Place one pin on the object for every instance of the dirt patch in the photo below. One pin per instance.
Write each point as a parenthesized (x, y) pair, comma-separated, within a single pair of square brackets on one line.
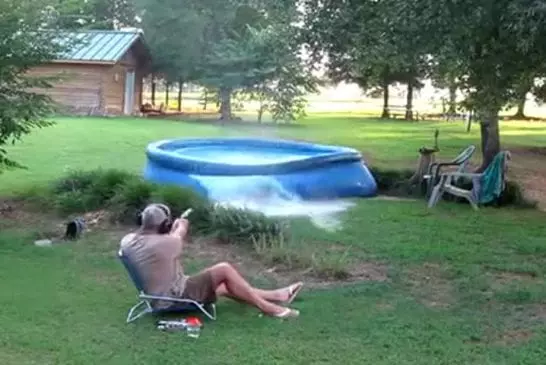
[(358, 272), (506, 338), (538, 312), (429, 285), (18, 215), (528, 168), (213, 251), (514, 337), (523, 316), (539, 151), (370, 271), (504, 278)]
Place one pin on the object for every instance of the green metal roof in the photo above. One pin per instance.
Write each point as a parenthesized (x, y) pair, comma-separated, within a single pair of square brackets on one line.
[(98, 45)]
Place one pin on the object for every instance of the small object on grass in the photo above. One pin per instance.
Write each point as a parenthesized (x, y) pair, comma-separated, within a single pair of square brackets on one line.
[(43, 243), (193, 327), (172, 326), (74, 229)]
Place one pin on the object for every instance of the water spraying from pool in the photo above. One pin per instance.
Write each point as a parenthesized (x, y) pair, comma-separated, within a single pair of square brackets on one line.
[(266, 195)]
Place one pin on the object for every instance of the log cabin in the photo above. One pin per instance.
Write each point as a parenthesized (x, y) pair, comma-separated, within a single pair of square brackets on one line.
[(100, 74)]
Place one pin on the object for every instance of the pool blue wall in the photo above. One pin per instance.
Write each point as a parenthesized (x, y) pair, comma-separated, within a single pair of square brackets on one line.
[(336, 172)]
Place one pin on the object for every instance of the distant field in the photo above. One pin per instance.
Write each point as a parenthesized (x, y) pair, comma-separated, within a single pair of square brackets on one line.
[(191, 102)]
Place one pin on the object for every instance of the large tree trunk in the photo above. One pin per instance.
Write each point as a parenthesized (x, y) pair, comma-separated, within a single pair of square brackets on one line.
[(525, 85), (180, 86), (225, 103), (409, 102), (385, 114), (153, 89), (520, 113), (490, 136), (452, 98), (206, 100)]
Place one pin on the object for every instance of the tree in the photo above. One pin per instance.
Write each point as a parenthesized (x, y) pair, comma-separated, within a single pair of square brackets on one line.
[(523, 87), (363, 44), (238, 49), (444, 76), (284, 81), (487, 45), (27, 41), (175, 59), (496, 44), (223, 46)]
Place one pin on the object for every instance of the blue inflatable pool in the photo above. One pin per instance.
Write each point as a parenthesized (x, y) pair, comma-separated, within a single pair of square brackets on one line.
[(228, 168)]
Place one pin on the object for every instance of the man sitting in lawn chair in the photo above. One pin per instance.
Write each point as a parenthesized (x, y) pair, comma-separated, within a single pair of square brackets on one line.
[(155, 251)]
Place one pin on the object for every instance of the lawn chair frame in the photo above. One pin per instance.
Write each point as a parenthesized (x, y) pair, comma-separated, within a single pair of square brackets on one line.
[(144, 306)]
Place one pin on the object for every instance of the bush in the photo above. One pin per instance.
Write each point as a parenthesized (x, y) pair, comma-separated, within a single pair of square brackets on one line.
[(75, 201), (242, 226), (130, 199), (124, 195), (107, 183), (82, 191), (390, 180), (75, 181)]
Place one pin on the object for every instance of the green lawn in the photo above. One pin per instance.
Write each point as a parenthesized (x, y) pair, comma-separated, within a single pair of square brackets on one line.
[(120, 143), (464, 287)]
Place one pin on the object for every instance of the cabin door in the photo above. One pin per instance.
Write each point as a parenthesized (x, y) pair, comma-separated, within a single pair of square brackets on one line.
[(129, 92)]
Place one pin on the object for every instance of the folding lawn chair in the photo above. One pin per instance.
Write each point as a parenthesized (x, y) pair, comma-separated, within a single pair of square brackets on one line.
[(145, 305)]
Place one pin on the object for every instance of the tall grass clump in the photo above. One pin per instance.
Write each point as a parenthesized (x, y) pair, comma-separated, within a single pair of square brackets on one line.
[(124, 195)]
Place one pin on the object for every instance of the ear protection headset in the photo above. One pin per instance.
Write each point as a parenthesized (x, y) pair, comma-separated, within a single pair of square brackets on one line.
[(166, 225)]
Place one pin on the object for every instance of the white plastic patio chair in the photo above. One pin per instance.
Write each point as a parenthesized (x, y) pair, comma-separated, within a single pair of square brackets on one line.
[(461, 162), (448, 180)]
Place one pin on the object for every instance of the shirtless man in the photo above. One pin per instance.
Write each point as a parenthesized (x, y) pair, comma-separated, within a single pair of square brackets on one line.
[(156, 249)]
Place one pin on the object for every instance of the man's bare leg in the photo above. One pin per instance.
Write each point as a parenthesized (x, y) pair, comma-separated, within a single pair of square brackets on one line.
[(225, 275), (275, 295)]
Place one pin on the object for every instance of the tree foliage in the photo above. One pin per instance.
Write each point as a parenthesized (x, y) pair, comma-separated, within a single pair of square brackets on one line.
[(230, 46), (174, 30), (281, 88), (362, 43), (495, 43), (27, 41), (486, 47)]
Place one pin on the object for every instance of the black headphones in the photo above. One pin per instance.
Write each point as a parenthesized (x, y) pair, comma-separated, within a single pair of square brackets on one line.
[(165, 226)]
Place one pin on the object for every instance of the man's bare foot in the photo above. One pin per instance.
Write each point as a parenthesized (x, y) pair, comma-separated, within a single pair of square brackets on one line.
[(287, 313), (292, 292)]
